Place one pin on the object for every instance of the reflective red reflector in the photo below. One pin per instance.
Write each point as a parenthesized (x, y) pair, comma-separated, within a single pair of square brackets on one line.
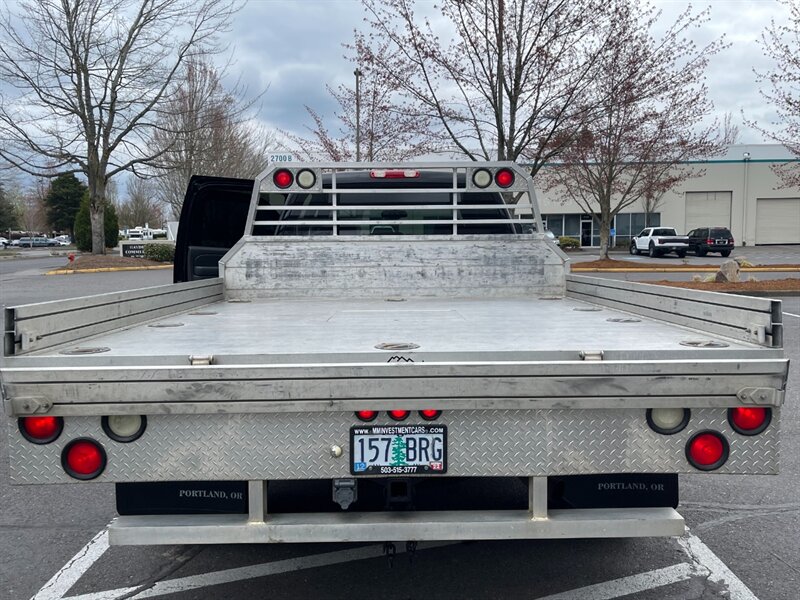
[(430, 414), (399, 415), (504, 178), (283, 178), (41, 430), (749, 420), (707, 450), (367, 415), (83, 459)]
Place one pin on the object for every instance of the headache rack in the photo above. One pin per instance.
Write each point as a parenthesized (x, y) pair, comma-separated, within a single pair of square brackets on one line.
[(437, 198)]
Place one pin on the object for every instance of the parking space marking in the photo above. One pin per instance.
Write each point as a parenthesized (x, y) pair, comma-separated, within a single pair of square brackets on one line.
[(718, 572), (625, 586), (182, 584), (702, 563), (70, 573), (792, 315)]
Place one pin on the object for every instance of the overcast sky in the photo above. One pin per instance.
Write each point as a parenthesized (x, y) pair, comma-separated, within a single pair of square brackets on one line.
[(295, 48)]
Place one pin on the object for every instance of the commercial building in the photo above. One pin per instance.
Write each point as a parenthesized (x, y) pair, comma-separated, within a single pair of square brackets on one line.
[(739, 190)]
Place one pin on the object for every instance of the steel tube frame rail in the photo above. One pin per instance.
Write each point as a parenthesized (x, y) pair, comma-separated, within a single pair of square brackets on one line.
[(44, 325), (382, 526), (754, 320), (263, 183), (257, 388)]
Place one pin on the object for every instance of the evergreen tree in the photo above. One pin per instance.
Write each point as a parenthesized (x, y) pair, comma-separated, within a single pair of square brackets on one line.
[(398, 452), (83, 226), (62, 202), (8, 214)]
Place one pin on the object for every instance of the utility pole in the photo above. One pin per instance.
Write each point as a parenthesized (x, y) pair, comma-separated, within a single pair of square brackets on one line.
[(358, 74)]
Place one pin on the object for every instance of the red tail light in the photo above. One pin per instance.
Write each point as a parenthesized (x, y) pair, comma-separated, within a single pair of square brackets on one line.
[(749, 420), (367, 415), (707, 451), (504, 178), (283, 178), (41, 430), (83, 459), (430, 414), (709, 241), (399, 415)]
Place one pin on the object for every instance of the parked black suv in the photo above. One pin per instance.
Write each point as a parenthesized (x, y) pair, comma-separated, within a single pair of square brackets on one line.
[(710, 239)]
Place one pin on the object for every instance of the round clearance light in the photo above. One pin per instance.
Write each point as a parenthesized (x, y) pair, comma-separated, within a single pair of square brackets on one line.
[(430, 414), (83, 459), (399, 415), (667, 421), (481, 178), (504, 178), (707, 450), (749, 420), (283, 178), (306, 179), (41, 430), (124, 428), (367, 415)]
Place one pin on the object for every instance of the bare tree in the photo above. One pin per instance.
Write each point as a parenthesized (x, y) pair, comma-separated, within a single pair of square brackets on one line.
[(141, 206), (375, 122), (781, 43), (91, 74), (207, 130), (31, 207), (511, 85), (654, 108)]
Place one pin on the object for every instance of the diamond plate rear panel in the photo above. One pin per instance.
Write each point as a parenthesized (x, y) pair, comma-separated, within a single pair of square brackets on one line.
[(481, 443)]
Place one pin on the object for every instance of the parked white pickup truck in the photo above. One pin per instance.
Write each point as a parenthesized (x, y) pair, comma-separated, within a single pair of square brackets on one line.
[(659, 240)]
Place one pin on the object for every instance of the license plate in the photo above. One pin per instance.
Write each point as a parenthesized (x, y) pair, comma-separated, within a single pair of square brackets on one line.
[(398, 450), (722, 241)]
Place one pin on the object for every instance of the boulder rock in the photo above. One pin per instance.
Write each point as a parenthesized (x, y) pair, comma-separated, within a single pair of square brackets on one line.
[(728, 271)]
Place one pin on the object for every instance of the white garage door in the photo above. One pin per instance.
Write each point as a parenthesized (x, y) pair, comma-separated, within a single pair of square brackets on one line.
[(778, 221), (708, 209)]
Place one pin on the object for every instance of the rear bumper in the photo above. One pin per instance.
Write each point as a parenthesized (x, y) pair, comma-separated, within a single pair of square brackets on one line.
[(380, 527)]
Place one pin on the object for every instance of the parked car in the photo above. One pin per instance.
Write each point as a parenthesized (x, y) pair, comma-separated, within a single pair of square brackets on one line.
[(659, 240), (31, 242), (4, 242), (711, 239)]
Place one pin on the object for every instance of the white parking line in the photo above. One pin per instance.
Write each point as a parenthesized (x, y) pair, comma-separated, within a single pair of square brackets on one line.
[(628, 585), (703, 563), (718, 572), (792, 315), (70, 573), (182, 584)]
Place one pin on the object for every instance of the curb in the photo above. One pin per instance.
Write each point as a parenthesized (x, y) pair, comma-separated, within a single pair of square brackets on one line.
[(105, 270)]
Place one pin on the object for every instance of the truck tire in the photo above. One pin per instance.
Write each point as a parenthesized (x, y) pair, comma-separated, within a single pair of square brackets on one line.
[(652, 252), (634, 250), (725, 253), (680, 253)]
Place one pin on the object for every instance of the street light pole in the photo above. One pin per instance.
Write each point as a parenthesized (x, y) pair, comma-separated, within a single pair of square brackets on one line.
[(358, 74)]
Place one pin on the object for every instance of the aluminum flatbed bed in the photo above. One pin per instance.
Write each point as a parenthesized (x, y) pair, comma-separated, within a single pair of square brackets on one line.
[(331, 330)]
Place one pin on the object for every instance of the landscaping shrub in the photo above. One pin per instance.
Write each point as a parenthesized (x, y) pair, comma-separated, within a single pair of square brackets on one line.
[(159, 252), (569, 242)]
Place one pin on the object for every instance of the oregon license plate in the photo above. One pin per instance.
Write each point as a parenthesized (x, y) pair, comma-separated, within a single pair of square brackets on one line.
[(398, 450)]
